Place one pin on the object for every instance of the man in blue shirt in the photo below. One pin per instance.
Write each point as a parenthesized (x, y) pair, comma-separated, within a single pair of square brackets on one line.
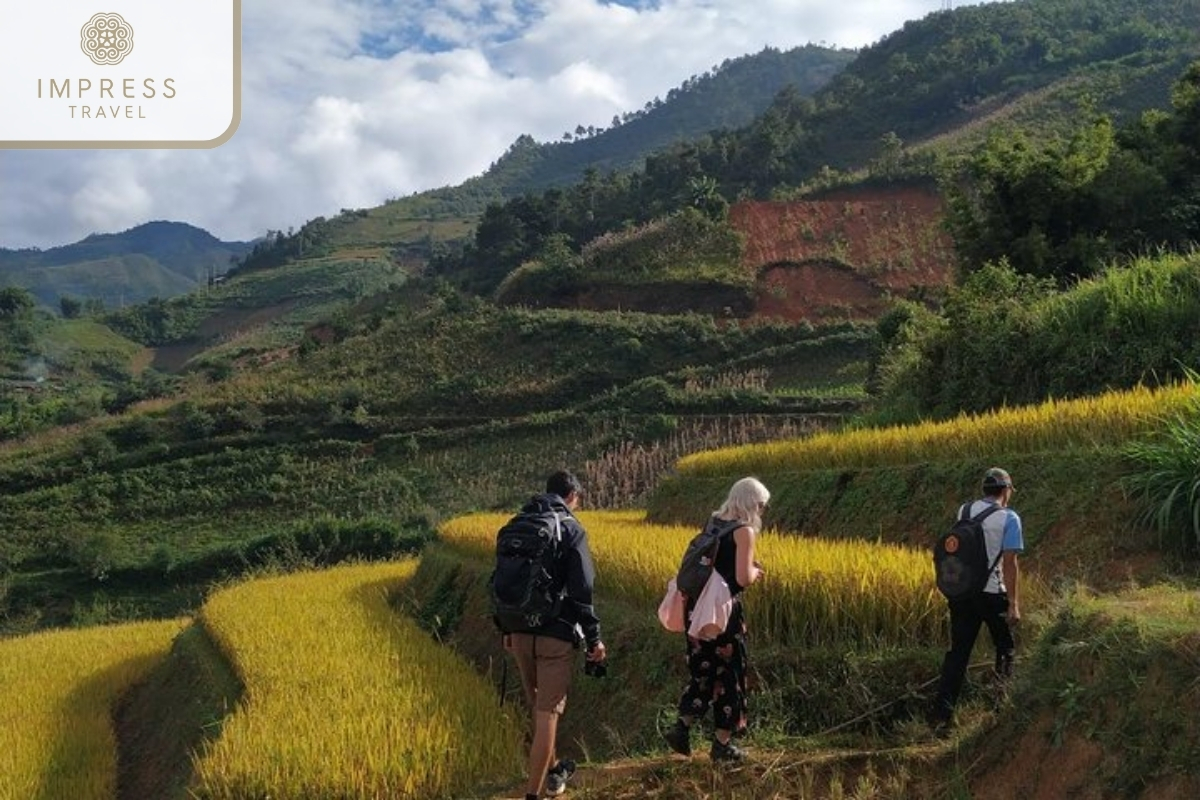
[(998, 606)]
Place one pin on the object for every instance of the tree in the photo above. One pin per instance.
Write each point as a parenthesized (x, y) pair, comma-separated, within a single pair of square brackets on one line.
[(704, 194), (889, 163), (15, 302), (16, 317), (70, 307), (1035, 205)]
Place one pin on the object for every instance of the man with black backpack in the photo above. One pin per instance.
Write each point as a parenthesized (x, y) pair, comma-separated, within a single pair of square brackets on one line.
[(984, 594), (542, 598)]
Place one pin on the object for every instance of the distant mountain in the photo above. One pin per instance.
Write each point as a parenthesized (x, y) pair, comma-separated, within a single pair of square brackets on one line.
[(155, 259), (911, 107), (729, 96)]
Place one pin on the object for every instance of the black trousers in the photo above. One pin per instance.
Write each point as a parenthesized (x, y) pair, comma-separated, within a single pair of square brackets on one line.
[(718, 676), (966, 616)]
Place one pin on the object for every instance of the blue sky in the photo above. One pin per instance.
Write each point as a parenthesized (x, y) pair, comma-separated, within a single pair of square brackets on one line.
[(347, 103)]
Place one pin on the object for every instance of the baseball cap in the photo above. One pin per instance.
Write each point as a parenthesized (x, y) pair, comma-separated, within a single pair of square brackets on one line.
[(996, 478)]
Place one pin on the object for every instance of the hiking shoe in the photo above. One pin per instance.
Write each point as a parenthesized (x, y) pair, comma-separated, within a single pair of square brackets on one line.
[(941, 726), (940, 720), (679, 738), (726, 752), (557, 777)]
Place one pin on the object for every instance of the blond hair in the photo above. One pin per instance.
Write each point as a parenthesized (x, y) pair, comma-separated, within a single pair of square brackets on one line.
[(746, 498)]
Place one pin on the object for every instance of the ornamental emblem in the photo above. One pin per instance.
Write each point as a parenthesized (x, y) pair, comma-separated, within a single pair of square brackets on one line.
[(106, 39)]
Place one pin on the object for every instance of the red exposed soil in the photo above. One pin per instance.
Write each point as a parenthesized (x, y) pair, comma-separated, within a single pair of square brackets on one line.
[(816, 290), (842, 256)]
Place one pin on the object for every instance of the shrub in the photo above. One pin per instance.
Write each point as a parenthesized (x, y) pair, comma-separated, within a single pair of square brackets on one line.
[(1165, 478)]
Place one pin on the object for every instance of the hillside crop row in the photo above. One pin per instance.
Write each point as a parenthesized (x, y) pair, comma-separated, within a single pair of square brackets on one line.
[(818, 593)]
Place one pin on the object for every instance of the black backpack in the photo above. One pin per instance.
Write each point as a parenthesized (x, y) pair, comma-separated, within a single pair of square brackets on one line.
[(525, 587), (700, 558), (960, 559)]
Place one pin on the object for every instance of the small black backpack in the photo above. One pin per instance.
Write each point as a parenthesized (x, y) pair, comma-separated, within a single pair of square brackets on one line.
[(700, 558), (960, 559), (525, 587)]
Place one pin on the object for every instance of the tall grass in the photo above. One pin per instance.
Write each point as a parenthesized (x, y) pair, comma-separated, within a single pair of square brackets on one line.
[(57, 691), (817, 592), (1109, 419), (344, 698), (1165, 478)]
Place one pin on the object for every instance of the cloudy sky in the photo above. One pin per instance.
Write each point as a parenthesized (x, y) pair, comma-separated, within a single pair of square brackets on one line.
[(349, 102)]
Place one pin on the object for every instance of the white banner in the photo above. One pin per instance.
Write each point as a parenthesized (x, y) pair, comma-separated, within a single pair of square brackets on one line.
[(119, 73)]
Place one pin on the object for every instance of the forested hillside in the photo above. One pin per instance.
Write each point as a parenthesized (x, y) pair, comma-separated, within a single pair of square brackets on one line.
[(728, 96), (914, 105), (155, 259)]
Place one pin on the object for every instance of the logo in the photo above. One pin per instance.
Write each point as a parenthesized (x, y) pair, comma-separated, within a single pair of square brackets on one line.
[(76, 76), (951, 544), (106, 39)]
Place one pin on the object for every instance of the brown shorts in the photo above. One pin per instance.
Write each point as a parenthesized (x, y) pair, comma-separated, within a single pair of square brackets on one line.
[(546, 665)]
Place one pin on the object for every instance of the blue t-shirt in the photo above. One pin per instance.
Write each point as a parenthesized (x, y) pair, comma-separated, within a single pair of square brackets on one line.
[(1002, 533)]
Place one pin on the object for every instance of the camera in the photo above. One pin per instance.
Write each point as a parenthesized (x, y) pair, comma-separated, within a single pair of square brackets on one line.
[(595, 669)]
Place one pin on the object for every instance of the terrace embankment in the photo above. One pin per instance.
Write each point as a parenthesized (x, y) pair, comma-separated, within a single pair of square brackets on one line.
[(1079, 524), (163, 721), (1104, 704)]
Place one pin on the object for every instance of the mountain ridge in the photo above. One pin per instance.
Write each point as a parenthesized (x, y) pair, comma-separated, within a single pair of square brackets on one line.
[(158, 258)]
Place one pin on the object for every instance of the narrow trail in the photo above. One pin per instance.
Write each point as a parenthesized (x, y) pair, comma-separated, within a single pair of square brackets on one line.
[(777, 774), (161, 722)]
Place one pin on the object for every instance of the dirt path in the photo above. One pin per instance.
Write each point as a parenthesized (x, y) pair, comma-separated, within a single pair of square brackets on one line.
[(768, 774)]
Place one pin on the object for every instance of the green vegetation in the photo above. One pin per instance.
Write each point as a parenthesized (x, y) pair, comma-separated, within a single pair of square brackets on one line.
[(1005, 338), (1063, 207), (471, 404), (1166, 480), (434, 224), (1110, 682), (667, 257), (339, 407), (727, 97), (57, 372), (461, 358), (308, 290), (944, 72), (156, 259)]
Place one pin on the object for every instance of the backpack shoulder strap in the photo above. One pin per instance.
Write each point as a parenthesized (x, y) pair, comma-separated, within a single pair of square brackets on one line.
[(982, 515), (724, 531)]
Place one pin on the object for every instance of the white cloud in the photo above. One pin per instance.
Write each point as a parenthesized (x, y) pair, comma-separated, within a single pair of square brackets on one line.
[(349, 102)]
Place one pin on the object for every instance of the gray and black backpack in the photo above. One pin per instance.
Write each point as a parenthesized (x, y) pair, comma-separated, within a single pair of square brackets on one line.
[(700, 558), (526, 586), (960, 559)]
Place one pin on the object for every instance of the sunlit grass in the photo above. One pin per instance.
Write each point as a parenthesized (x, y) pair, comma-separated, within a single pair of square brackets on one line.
[(345, 698), (57, 691), (817, 591), (1056, 425)]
